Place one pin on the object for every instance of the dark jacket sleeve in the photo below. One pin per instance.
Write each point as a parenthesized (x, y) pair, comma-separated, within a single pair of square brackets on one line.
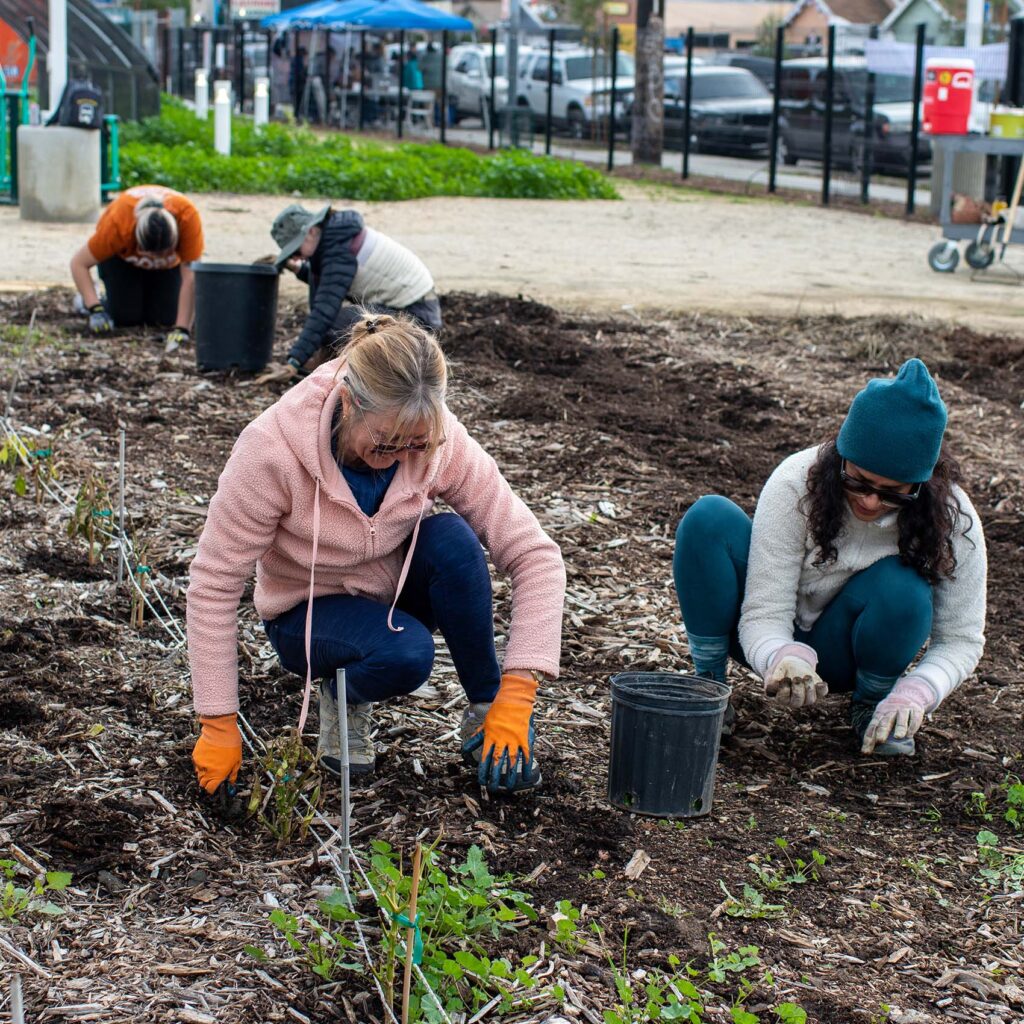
[(337, 268), (303, 272)]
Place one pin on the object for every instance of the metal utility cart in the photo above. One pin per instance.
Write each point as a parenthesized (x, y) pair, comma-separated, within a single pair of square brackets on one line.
[(944, 256)]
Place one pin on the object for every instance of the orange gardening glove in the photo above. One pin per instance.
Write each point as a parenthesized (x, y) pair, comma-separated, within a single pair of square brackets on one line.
[(217, 754), (506, 740)]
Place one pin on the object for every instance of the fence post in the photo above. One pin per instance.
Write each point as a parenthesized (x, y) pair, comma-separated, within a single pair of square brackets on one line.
[(222, 116), (362, 79), (915, 123), (830, 96), (444, 85), (202, 95), (867, 151), (494, 74), (13, 120), (611, 107), (687, 98), (551, 80), (401, 80), (773, 136)]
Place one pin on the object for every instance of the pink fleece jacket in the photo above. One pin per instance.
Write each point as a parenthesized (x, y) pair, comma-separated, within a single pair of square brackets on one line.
[(263, 515)]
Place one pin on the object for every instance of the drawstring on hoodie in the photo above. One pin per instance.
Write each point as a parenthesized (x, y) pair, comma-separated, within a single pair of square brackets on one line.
[(309, 603), (309, 609)]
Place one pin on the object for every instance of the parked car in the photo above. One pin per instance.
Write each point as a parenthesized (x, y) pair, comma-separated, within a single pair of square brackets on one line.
[(802, 115), (730, 111), (581, 87), (469, 78), (762, 67), (673, 64)]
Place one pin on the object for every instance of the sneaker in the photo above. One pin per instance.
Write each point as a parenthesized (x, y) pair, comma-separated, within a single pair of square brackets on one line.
[(861, 713), (472, 722), (361, 754), (426, 691)]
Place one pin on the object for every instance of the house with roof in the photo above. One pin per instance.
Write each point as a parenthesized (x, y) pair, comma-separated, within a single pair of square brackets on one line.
[(944, 20), (808, 21)]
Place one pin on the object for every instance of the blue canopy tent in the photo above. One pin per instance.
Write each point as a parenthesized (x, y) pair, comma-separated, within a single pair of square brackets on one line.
[(383, 15)]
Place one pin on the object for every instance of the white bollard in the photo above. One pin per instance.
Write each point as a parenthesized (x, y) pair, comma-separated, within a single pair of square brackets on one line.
[(222, 116), (218, 58), (202, 95), (261, 102)]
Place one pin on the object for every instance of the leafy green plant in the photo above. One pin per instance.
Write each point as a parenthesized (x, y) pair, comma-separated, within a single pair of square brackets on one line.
[(566, 919), (1007, 799), (752, 904), (294, 775), (454, 912), (16, 901), (322, 948), (176, 149), (999, 870), (794, 871)]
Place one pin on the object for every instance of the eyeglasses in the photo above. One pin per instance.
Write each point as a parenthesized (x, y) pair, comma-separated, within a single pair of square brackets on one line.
[(416, 447), (891, 499)]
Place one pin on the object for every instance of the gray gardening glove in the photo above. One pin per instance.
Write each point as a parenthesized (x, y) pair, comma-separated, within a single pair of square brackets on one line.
[(99, 320), (792, 680)]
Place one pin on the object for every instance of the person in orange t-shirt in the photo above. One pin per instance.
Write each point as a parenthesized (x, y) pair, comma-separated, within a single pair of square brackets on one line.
[(143, 245)]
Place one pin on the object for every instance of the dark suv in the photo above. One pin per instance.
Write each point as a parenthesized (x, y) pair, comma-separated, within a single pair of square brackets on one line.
[(802, 115)]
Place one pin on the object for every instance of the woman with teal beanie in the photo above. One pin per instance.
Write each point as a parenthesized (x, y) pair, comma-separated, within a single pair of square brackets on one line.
[(861, 551)]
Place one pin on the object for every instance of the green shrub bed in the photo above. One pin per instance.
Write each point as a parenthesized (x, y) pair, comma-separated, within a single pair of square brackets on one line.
[(176, 149)]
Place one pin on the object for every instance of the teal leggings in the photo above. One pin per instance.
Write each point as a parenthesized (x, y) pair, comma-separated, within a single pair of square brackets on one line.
[(876, 624)]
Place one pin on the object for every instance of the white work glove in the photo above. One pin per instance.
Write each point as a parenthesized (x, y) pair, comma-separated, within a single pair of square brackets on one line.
[(792, 680), (901, 713)]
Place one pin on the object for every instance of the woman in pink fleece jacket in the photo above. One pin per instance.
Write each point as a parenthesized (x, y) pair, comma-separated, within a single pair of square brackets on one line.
[(327, 495)]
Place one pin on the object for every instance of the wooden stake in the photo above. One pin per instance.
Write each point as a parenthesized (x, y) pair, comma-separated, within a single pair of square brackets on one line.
[(410, 933)]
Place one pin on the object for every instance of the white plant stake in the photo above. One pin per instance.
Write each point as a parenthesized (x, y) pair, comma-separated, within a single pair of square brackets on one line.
[(346, 845), (17, 1006), (120, 513)]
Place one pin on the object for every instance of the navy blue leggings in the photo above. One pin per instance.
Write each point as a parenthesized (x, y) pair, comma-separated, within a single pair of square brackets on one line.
[(877, 622), (448, 589)]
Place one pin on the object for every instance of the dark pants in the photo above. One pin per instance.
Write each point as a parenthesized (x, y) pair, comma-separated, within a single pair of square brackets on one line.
[(426, 312), (877, 623), (140, 298), (448, 589)]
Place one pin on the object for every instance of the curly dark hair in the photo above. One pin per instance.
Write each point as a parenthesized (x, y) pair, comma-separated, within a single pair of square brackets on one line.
[(926, 526)]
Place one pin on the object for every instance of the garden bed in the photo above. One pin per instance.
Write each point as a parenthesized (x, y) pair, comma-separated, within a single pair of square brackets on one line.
[(609, 428)]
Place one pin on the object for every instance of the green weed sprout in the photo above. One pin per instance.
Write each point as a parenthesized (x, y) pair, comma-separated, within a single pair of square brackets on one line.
[(17, 901)]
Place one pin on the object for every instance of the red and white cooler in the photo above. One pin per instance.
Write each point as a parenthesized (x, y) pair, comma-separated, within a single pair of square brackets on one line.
[(948, 92)]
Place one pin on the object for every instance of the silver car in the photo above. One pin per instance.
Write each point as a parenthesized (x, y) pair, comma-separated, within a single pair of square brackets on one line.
[(469, 78)]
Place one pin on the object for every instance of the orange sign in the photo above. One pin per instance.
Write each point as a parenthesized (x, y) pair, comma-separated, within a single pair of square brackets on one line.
[(13, 56)]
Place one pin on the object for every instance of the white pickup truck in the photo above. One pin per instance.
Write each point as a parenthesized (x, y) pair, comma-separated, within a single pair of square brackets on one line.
[(580, 88)]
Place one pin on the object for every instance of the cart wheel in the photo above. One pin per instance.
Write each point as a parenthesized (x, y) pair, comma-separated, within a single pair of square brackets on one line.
[(979, 255), (943, 258)]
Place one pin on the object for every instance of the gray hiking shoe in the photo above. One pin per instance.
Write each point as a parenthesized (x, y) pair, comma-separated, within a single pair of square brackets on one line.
[(861, 713), (472, 722), (361, 754)]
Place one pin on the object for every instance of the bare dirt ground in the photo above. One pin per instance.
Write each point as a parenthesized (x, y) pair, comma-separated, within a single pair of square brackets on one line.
[(660, 248), (609, 426)]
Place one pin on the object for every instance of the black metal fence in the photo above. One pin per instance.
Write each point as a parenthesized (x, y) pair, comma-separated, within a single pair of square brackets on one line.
[(824, 110)]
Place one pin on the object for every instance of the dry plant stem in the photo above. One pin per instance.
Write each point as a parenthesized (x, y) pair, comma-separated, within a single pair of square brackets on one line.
[(410, 933), (17, 1004), (346, 792), (21, 359)]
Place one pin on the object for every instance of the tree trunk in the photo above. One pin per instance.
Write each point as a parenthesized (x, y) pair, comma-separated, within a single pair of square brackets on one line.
[(649, 95)]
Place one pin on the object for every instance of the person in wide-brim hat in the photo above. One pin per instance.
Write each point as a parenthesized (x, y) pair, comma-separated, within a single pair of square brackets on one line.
[(349, 268), (861, 551)]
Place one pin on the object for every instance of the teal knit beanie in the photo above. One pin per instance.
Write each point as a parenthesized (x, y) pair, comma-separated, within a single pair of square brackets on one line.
[(894, 427)]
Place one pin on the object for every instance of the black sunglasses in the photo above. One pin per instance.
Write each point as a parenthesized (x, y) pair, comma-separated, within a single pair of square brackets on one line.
[(891, 499)]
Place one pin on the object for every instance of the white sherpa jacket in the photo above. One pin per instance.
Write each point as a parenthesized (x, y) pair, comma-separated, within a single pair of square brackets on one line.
[(784, 587)]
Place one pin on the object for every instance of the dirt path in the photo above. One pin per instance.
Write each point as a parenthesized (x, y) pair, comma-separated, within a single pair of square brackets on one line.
[(659, 248)]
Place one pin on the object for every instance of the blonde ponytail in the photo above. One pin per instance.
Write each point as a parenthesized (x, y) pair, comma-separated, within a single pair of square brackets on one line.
[(394, 366)]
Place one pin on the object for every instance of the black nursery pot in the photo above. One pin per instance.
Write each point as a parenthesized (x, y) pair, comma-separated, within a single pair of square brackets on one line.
[(236, 313), (666, 730)]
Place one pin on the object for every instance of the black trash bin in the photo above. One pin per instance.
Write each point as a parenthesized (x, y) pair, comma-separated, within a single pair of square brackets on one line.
[(666, 729), (236, 313)]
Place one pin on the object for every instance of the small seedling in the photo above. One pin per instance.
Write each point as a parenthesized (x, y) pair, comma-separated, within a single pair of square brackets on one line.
[(294, 775), (17, 901), (999, 870), (91, 515), (751, 905)]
